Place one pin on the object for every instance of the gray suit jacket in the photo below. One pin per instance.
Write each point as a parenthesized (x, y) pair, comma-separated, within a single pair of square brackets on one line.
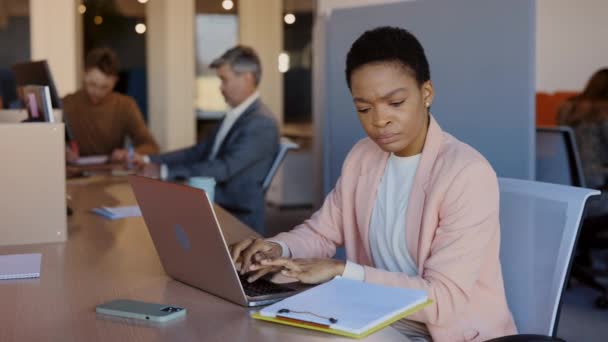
[(240, 166)]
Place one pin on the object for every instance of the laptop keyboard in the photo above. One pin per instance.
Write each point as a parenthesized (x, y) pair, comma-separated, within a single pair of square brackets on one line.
[(261, 287)]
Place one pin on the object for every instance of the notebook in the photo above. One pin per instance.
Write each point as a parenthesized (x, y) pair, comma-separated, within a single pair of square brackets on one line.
[(346, 307), (114, 213), (19, 266)]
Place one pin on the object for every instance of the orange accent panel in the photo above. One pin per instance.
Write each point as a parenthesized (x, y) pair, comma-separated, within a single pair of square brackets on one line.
[(547, 106)]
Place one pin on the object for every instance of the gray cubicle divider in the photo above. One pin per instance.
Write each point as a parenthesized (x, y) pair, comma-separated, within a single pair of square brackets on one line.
[(481, 54)]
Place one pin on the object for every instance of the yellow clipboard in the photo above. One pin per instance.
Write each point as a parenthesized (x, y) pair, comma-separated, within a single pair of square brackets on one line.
[(327, 329)]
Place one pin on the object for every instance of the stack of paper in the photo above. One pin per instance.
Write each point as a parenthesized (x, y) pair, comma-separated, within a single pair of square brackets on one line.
[(92, 160), (346, 307), (18, 266), (114, 213)]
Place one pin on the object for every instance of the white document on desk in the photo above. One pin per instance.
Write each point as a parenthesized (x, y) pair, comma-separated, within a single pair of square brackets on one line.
[(18, 266), (354, 306), (92, 160), (114, 213)]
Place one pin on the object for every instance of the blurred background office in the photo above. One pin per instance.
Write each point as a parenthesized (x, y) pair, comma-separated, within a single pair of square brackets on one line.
[(165, 48)]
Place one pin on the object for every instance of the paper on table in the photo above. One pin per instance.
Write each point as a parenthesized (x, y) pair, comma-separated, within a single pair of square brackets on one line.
[(357, 306), (92, 160), (114, 213), (18, 266)]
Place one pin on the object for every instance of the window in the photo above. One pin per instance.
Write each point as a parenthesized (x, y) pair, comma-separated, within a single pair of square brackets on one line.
[(216, 30)]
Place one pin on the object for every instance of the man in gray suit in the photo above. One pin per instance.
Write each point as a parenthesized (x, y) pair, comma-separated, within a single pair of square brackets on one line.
[(238, 153)]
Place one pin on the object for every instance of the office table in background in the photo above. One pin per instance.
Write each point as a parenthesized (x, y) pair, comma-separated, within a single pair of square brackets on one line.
[(104, 260)]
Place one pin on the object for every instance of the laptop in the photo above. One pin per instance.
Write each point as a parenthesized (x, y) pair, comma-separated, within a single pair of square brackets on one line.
[(192, 237)]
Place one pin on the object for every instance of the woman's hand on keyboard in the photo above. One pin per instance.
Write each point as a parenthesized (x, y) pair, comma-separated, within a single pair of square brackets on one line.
[(308, 271), (250, 251)]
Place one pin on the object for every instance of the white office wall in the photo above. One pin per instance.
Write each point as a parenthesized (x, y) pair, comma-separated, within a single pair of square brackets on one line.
[(56, 35), (571, 44)]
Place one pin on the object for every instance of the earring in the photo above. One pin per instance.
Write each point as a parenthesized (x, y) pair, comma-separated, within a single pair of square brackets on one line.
[(427, 105)]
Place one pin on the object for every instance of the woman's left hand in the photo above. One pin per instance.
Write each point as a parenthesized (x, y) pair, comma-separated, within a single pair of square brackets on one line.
[(308, 271)]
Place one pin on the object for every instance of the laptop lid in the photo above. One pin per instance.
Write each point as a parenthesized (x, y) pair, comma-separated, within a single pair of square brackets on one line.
[(187, 236)]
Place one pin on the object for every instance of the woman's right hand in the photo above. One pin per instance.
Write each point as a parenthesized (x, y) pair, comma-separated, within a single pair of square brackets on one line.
[(138, 161), (71, 156), (252, 250)]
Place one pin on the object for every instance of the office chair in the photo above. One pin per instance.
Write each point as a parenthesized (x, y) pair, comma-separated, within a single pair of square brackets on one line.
[(539, 225), (557, 158), (558, 161), (284, 147)]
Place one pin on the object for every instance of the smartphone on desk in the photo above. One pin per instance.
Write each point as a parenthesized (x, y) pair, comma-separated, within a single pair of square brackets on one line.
[(141, 310)]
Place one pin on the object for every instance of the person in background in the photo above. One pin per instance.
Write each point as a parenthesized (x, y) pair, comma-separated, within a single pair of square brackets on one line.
[(414, 207), (587, 114), (239, 152), (101, 119)]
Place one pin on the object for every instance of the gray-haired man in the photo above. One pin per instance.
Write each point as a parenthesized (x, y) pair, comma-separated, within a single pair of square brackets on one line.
[(239, 153)]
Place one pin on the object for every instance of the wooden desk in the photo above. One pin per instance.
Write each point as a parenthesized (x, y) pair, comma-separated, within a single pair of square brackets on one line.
[(104, 260)]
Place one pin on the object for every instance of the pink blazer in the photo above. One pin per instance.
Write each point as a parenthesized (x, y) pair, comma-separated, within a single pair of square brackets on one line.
[(453, 234)]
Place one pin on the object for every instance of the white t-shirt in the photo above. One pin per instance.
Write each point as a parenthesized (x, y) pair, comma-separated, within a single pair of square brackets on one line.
[(387, 228)]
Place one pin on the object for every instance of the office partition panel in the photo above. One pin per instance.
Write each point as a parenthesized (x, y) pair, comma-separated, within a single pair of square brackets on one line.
[(481, 54)]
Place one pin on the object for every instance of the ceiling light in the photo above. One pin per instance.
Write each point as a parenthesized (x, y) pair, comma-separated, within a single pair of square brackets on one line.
[(140, 28), (227, 5), (283, 62), (289, 18)]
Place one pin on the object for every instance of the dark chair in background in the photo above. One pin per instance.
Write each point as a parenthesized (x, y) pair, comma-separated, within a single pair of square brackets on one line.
[(558, 161), (298, 104)]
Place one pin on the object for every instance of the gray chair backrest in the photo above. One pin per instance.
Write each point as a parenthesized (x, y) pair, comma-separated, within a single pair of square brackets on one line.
[(539, 227), (284, 147), (557, 158)]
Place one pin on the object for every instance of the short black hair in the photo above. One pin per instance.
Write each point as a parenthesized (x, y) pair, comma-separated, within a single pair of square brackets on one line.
[(388, 44), (103, 59)]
